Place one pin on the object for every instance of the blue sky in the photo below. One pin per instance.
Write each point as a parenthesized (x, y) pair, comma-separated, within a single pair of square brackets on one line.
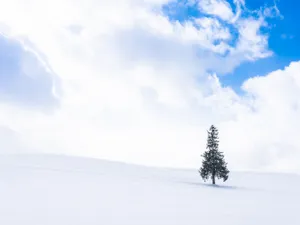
[(129, 83), (284, 36), (284, 39), (283, 31)]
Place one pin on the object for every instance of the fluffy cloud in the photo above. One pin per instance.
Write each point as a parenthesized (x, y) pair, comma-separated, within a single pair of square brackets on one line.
[(135, 86), (219, 8)]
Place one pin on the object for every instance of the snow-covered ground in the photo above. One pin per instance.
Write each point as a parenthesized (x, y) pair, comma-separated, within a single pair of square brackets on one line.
[(56, 190)]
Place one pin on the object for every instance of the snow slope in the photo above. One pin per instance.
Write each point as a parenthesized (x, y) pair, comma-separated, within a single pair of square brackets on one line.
[(56, 190)]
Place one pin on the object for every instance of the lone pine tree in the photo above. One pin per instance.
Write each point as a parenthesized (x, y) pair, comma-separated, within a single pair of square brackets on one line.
[(213, 165)]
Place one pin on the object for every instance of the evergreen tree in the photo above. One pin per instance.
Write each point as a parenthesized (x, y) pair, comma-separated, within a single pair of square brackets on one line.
[(213, 165)]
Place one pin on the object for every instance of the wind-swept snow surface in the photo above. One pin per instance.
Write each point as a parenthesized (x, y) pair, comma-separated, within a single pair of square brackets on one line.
[(52, 190)]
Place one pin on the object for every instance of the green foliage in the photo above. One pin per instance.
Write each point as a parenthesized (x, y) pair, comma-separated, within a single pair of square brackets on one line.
[(213, 165)]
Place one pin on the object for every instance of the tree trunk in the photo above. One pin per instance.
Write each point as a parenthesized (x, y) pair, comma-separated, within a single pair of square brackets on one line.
[(213, 179)]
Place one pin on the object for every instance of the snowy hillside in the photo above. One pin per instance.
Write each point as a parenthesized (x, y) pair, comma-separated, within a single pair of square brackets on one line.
[(52, 190)]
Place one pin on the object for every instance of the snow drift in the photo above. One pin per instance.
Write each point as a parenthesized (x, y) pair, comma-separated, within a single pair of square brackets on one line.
[(57, 190)]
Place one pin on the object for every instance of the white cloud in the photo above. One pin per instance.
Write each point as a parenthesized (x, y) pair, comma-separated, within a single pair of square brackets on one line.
[(252, 44), (134, 86), (218, 8)]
